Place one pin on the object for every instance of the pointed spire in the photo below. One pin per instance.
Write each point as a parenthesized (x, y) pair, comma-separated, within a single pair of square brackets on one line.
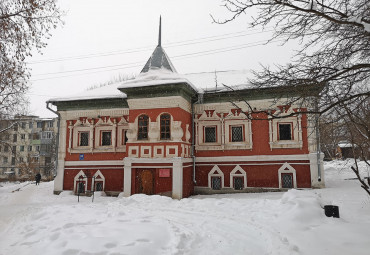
[(160, 31)]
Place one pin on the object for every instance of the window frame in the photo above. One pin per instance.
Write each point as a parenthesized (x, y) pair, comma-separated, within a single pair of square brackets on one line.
[(166, 133), (80, 139), (102, 137), (242, 133), (205, 134), (290, 124), (143, 135)]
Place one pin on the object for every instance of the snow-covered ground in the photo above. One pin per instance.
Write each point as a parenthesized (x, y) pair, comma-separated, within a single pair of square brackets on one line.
[(34, 221)]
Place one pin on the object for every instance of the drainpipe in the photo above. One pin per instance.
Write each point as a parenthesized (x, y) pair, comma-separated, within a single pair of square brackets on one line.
[(193, 137), (57, 138)]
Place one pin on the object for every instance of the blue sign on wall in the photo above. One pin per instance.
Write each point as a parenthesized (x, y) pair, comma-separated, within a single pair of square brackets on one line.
[(82, 156)]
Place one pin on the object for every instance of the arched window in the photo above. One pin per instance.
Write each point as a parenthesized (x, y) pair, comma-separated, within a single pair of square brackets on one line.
[(143, 123), (165, 127)]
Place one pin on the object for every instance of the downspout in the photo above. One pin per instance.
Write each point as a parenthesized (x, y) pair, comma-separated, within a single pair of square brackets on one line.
[(57, 138), (193, 137)]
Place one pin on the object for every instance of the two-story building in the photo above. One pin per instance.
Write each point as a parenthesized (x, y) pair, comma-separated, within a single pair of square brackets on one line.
[(161, 133)]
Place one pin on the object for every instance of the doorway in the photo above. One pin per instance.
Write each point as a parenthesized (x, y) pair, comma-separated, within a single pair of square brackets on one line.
[(146, 182)]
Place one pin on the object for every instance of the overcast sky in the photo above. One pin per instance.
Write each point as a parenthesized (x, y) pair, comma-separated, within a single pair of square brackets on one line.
[(104, 38)]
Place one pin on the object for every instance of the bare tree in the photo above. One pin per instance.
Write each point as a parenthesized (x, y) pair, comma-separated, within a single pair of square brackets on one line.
[(24, 24), (335, 45)]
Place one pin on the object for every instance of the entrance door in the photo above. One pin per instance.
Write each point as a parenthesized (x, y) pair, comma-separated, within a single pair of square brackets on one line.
[(146, 182)]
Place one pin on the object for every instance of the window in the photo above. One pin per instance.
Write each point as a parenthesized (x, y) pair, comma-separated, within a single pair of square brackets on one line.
[(287, 181), (237, 134), (29, 148), (124, 137), (23, 136), (39, 124), (15, 138), (35, 136), (14, 149), (29, 136), (285, 131), (13, 161), (37, 147), (47, 135), (142, 133), (30, 124), (23, 125), (21, 159), (0, 148), (49, 124), (6, 148), (210, 134), (238, 183), (216, 183), (15, 127), (5, 160), (99, 186), (84, 139), (165, 127), (106, 138), (21, 148)]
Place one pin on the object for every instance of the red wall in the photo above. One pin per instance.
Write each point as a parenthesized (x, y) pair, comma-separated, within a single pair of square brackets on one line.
[(188, 184), (264, 176), (113, 178)]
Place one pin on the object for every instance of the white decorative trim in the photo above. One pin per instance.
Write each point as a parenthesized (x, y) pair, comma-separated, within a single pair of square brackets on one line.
[(247, 137), (234, 174), (296, 126), (157, 160), (98, 173), (131, 149), (215, 172), (76, 179), (160, 102), (286, 169), (115, 112), (253, 158), (94, 163), (155, 150), (168, 154), (142, 150)]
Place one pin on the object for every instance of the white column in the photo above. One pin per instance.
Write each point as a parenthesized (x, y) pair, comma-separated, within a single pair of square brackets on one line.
[(177, 179), (127, 177)]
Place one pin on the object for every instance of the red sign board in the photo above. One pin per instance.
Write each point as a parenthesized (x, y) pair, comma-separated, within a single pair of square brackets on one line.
[(164, 172)]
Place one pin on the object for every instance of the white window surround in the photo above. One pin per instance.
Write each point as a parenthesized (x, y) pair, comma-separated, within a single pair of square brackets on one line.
[(287, 169), (76, 138), (234, 174), (102, 179), (77, 180), (247, 142), (215, 172), (201, 134), (296, 141)]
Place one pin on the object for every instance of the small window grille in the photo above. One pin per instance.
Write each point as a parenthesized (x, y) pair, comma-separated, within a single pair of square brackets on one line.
[(216, 183), (210, 134), (165, 127), (81, 187), (99, 186), (237, 134), (106, 138), (287, 181), (238, 183), (285, 132), (142, 133), (84, 139)]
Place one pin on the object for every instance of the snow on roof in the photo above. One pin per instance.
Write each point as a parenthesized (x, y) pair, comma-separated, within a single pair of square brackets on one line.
[(201, 82), (345, 144), (156, 76), (105, 92)]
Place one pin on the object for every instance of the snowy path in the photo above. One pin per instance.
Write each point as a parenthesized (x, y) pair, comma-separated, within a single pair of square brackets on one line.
[(35, 221)]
